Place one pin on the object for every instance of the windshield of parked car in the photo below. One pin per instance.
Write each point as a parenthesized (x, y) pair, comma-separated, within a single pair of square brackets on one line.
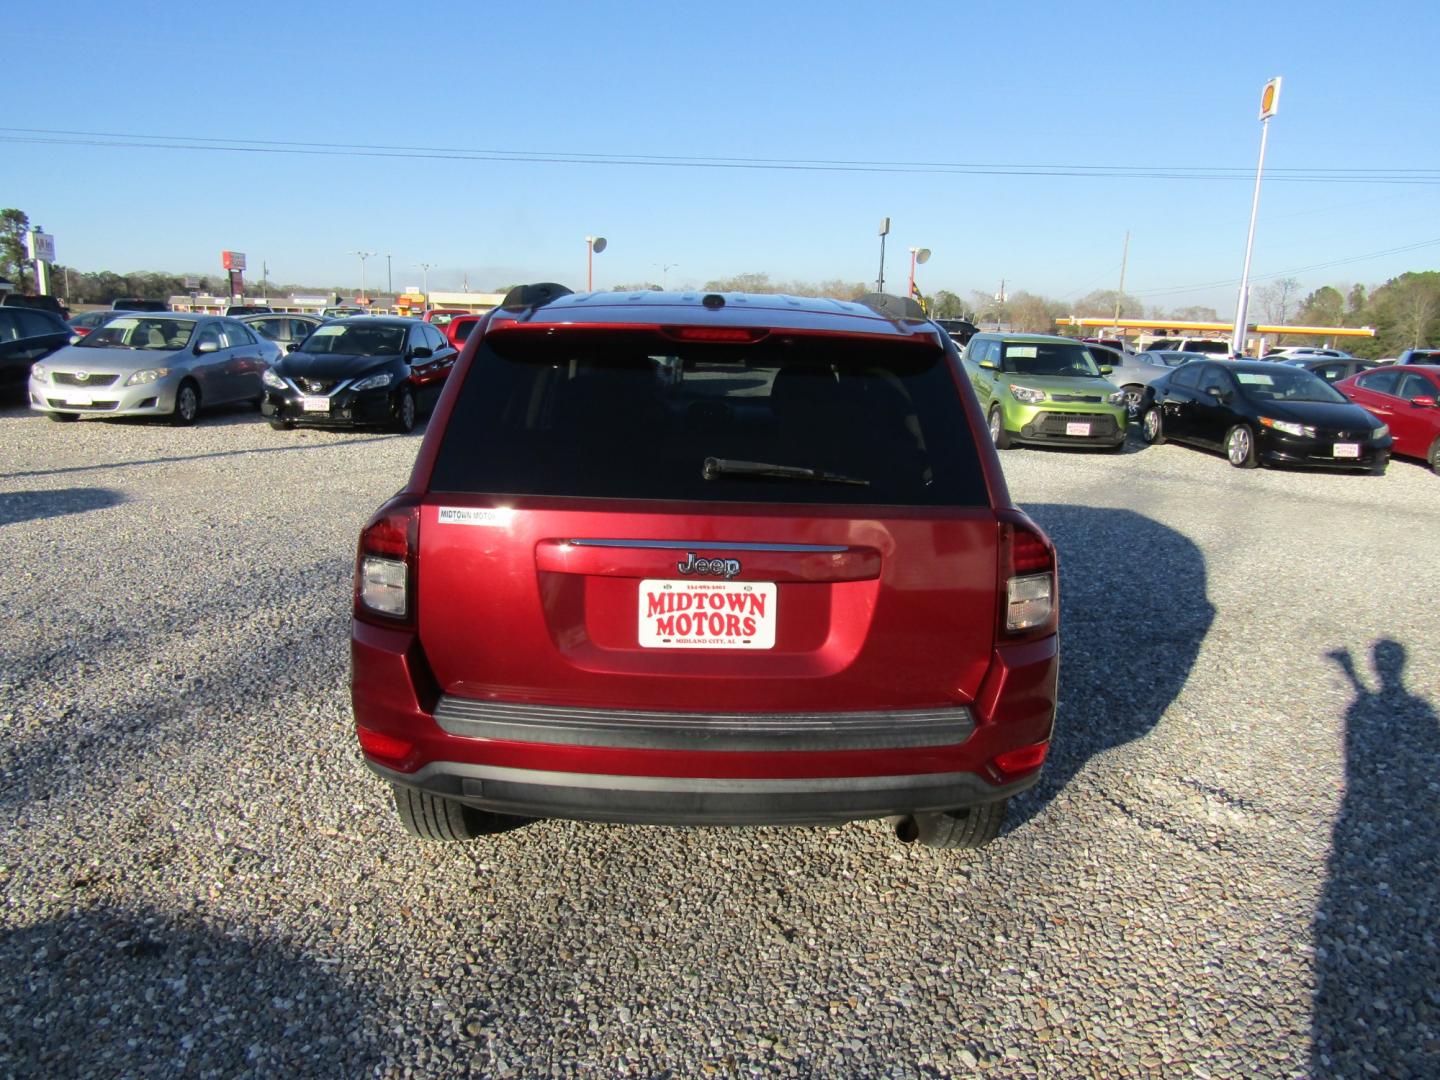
[(1044, 358), (351, 339), (125, 332), (1287, 384)]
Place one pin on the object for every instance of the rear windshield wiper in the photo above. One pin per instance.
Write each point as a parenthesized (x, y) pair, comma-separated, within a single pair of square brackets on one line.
[(717, 467)]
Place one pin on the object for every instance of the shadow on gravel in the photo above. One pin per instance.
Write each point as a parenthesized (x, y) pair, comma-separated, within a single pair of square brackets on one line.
[(202, 457), (18, 506), (105, 993), (1133, 612), (1377, 931)]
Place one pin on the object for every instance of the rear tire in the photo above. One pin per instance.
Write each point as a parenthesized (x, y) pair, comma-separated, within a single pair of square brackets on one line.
[(970, 827), (1152, 427), (1434, 457), (63, 417), (187, 405), (1240, 447), (434, 817), (998, 435), (404, 422)]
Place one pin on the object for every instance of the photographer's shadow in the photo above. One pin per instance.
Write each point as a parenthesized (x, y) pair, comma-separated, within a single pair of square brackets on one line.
[(1134, 609), (1377, 930)]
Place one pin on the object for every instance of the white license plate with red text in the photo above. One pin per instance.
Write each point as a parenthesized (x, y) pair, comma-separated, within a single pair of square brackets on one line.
[(315, 404), (707, 614), (1073, 428), (1347, 449)]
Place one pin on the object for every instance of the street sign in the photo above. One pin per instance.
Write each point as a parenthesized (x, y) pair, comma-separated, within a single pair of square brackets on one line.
[(232, 260), (1270, 99), (41, 245), (884, 226)]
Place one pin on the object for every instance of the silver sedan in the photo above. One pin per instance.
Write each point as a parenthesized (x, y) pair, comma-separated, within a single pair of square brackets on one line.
[(162, 364), (1133, 372)]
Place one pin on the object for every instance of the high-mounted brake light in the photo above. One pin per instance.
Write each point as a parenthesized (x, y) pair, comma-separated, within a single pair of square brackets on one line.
[(1028, 600), (385, 563), (733, 334)]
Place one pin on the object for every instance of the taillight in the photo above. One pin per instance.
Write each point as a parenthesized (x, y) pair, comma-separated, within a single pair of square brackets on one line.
[(732, 334), (1029, 601), (385, 563)]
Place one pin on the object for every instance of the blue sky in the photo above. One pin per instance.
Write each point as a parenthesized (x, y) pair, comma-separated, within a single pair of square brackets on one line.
[(1149, 85)]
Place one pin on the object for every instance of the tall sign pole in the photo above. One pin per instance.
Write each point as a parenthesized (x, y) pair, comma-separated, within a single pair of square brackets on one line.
[(884, 232), (1269, 106)]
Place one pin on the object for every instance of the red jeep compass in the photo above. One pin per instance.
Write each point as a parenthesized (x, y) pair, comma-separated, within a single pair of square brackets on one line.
[(684, 559)]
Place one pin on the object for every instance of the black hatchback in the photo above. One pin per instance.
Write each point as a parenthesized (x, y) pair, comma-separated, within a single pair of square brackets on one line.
[(367, 370), (1263, 412)]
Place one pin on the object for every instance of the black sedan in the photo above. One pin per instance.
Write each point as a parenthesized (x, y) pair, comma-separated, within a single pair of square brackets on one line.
[(1258, 411), (1330, 369), (365, 370), (26, 335)]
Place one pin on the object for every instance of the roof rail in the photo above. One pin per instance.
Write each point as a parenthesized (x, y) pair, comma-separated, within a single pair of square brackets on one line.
[(531, 296), (891, 306)]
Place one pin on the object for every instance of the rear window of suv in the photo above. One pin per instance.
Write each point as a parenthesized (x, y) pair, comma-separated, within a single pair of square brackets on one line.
[(619, 415)]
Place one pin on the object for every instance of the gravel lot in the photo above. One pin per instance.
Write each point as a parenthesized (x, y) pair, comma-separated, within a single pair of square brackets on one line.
[(1230, 868)]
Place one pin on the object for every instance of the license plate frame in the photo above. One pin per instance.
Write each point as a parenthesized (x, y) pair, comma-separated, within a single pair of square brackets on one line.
[(1077, 427), (309, 403), (667, 611), (1347, 450)]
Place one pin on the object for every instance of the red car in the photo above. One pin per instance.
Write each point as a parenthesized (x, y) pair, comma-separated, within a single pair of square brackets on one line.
[(459, 329), (1404, 398), (736, 559), (440, 316)]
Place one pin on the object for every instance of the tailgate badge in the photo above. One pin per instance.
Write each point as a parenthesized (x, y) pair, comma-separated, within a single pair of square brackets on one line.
[(726, 568)]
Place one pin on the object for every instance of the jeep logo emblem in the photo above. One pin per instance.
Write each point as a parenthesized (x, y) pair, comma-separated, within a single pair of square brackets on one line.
[(726, 568)]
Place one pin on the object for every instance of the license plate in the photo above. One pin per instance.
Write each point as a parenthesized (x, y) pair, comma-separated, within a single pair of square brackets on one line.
[(315, 404), (707, 614), (80, 399), (1077, 429), (1347, 449)]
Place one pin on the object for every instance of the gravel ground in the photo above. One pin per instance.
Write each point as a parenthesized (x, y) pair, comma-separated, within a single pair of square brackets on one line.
[(1230, 868)]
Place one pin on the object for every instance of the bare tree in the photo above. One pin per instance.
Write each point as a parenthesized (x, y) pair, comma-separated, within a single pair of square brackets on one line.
[(1278, 299)]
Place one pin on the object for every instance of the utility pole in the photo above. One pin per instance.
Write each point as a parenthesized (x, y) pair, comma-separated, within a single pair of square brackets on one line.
[(884, 231), (264, 279), (1124, 258), (389, 279)]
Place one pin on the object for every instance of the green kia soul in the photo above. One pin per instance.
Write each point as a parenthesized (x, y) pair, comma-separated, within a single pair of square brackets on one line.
[(1040, 389)]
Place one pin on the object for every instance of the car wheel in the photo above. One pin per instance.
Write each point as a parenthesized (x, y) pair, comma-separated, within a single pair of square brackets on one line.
[(1435, 457), (405, 411), (1134, 395), (1240, 447), (187, 405), (998, 435), (1152, 427), (434, 817), (63, 417), (971, 827)]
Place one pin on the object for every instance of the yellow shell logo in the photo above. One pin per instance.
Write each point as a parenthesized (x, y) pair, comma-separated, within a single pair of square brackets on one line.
[(1267, 100)]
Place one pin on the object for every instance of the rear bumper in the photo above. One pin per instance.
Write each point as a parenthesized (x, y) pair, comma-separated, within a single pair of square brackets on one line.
[(696, 768), (686, 800)]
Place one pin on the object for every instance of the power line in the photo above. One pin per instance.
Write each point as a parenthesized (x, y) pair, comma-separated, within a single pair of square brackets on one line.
[(101, 139)]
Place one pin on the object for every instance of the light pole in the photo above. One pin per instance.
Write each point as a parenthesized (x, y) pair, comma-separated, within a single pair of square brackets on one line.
[(363, 256), (389, 278), (594, 245), (917, 255), (425, 281), (665, 269), (1269, 106), (884, 232)]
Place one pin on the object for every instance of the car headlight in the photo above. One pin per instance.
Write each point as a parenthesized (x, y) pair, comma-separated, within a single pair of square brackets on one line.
[(374, 382), (147, 375), (1380, 432), (1286, 426), (1027, 395), (40, 373), (1117, 398), (275, 382)]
